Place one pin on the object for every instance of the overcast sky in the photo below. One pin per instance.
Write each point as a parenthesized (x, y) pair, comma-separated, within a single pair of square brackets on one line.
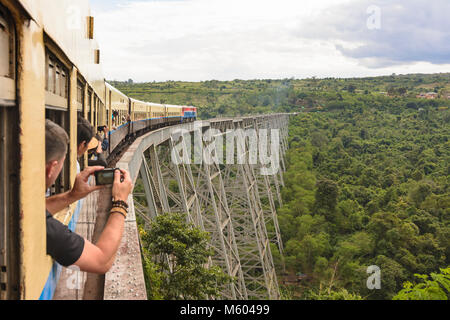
[(195, 40)]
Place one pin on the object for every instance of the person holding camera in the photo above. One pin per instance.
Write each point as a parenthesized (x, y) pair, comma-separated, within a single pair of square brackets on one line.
[(64, 246), (95, 153), (105, 132)]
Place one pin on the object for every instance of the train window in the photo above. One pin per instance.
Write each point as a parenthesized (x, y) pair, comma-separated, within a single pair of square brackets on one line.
[(9, 215), (56, 101), (89, 105), (9, 157), (4, 47), (94, 119), (50, 76), (7, 59), (7, 46), (64, 83), (80, 97), (62, 184), (57, 82)]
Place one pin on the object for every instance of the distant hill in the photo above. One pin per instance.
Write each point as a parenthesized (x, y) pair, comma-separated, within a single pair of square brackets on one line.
[(238, 97)]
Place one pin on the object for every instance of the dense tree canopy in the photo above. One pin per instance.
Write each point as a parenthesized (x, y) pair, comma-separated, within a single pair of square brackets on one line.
[(365, 188), (368, 174)]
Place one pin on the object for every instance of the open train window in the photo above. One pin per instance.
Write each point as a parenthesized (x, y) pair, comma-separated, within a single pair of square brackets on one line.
[(62, 184)]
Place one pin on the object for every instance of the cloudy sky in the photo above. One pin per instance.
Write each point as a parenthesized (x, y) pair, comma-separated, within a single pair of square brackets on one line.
[(195, 40)]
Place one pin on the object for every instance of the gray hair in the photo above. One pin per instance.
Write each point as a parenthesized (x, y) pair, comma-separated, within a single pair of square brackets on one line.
[(56, 141)]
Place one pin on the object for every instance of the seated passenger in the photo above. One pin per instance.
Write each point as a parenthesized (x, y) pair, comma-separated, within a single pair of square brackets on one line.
[(64, 246)]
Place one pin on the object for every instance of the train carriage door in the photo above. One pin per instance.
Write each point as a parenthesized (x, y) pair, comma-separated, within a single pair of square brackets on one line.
[(9, 157)]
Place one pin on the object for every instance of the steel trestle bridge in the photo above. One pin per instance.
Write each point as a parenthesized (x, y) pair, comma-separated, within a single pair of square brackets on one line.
[(233, 201)]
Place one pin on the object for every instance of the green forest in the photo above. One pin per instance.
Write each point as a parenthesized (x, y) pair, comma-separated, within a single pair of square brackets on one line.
[(367, 182), (367, 186)]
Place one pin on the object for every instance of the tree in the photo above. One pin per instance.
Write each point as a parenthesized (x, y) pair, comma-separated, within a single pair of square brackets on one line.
[(402, 91), (436, 288), (341, 294), (351, 88), (182, 252), (420, 193), (326, 198)]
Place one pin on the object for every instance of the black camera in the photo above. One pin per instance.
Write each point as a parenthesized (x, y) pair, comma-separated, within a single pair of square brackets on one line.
[(105, 177)]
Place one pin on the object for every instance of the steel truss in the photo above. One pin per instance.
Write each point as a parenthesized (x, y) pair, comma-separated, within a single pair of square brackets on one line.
[(233, 202)]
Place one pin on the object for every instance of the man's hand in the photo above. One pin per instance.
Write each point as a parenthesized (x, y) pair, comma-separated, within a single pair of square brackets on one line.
[(81, 187), (122, 186)]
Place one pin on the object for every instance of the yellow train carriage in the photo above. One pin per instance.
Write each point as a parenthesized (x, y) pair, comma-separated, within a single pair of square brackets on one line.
[(174, 114), (157, 114), (139, 109), (140, 116), (49, 68), (118, 107)]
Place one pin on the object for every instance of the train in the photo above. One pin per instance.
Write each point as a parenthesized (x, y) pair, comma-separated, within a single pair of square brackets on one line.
[(129, 118), (51, 68)]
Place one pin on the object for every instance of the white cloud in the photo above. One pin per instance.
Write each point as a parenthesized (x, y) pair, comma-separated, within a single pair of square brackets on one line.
[(225, 39), (407, 31)]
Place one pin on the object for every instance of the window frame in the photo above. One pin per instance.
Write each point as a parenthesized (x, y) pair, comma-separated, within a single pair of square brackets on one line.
[(61, 118), (57, 84), (57, 103), (8, 81)]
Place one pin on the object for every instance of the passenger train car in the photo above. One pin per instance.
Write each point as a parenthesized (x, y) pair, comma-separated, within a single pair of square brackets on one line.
[(50, 67)]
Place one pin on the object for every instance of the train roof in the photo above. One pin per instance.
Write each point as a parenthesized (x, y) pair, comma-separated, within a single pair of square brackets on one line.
[(110, 87), (155, 104), (139, 101), (173, 106)]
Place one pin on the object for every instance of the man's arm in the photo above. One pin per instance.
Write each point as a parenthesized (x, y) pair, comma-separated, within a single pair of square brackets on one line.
[(80, 190), (99, 258), (56, 203)]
